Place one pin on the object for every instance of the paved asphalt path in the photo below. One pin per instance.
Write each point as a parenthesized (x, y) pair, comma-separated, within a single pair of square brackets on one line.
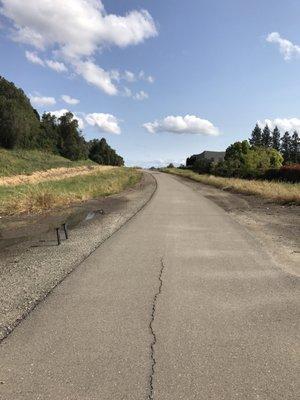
[(181, 303)]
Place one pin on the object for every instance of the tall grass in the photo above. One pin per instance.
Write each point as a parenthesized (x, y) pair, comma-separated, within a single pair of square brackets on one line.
[(280, 192), (42, 196)]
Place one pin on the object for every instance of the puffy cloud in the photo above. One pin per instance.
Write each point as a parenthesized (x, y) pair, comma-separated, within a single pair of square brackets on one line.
[(97, 76), (69, 100), (189, 124), (42, 100), (60, 113), (288, 49), (283, 124), (104, 122), (34, 58), (75, 30), (141, 96), (56, 66), (75, 27)]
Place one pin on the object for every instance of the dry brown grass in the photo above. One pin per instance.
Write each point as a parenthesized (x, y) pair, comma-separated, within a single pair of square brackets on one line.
[(280, 192), (53, 174), (44, 195)]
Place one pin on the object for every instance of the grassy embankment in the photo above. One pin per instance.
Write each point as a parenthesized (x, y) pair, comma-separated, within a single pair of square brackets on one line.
[(17, 162), (53, 181), (275, 191)]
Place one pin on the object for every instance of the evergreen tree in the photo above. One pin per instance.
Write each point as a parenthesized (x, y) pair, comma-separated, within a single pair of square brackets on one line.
[(276, 139), (266, 139), (256, 136), (295, 148), (286, 147)]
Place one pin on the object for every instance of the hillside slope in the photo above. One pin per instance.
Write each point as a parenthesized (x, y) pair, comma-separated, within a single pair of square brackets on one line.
[(18, 162)]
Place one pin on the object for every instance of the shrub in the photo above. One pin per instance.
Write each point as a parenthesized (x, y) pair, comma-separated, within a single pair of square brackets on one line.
[(287, 173)]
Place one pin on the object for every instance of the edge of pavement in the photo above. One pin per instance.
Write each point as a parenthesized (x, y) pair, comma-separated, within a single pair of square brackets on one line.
[(31, 271)]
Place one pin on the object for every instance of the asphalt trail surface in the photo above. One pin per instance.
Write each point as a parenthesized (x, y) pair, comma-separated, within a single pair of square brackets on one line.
[(181, 303)]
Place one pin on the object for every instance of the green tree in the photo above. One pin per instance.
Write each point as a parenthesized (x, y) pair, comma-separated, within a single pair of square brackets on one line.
[(266, 138), (295, 148), (71, 143), (244, 161), (286, 147), (256, 136), (19, 122), (102, 153), (49, 137), (276, 139)]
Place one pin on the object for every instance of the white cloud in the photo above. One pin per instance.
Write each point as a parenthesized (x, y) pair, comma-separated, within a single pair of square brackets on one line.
[(288, 49), (34, 58), (56, 66), (127, 92), (42, 100), (129, 76), (141, 96), (189, 124), (283, 124), (150, 79), (95, 75), (69, 100), (147, 78), (59, 113), (75, 27), (104, 122), (74, 30)]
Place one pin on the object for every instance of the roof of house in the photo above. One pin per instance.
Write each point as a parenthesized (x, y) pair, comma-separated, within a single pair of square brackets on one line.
[(215, 155), (210, 155)]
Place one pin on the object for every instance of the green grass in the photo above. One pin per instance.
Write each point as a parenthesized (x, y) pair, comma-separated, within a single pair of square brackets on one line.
[(24, 162), (275, 191), (39, 197)]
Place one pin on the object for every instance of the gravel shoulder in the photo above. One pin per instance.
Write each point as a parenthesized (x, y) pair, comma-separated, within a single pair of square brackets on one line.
[(276, 226), (31, 262)]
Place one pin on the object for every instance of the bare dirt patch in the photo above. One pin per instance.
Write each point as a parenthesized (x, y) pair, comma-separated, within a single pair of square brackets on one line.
[(276, 226)]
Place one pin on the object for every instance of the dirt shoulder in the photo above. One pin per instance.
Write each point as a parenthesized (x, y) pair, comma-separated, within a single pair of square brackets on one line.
[(33, 264), (276, 226)]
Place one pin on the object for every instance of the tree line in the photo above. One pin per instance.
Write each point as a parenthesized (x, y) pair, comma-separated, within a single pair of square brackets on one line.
[(288, 145), (261, 157), (22, 127)]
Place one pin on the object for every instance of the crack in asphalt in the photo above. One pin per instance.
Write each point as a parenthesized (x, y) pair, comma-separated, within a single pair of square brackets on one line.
[(154, 338)]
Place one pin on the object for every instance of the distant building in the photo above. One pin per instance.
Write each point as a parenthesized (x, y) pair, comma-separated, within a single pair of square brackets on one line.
[(213, 156)]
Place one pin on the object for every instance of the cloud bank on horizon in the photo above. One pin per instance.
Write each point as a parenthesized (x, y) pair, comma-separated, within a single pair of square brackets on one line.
[(58, 33)]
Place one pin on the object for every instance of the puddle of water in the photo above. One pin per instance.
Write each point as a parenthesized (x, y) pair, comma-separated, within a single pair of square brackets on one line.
[(14, 236)]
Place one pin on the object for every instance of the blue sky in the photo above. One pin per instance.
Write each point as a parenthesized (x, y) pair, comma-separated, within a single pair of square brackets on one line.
[(209, 60)]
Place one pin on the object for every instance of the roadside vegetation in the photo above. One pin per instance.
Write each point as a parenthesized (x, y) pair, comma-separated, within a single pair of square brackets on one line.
[(21, 127), (45, 161), (24, 162), (267, 165), (46, 195), (280, 192)]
